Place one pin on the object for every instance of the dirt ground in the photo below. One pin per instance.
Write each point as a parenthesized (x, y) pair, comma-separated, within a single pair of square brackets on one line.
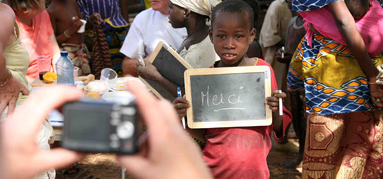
[(103, 166)]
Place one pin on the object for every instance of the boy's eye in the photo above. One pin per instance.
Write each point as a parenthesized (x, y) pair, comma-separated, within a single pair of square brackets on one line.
[(221, 36), (239, 36)]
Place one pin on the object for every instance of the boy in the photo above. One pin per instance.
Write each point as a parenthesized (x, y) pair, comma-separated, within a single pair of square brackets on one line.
[(238, 152), (65, 25)]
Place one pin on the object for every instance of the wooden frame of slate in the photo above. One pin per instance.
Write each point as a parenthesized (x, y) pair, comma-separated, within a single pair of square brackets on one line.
[(171, 66), (228, 97)]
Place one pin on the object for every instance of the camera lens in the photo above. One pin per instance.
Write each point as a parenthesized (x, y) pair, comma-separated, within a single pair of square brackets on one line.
[(125, 130)]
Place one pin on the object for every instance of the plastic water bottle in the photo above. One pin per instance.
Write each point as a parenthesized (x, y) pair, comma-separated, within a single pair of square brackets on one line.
[(64, 68)]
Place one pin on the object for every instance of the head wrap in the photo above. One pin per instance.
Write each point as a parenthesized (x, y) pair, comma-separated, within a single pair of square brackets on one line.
[(202, 7)]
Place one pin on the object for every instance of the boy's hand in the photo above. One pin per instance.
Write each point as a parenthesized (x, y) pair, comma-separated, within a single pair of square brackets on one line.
[(181, 105), (75, 26), (273, 101), (148, 72)]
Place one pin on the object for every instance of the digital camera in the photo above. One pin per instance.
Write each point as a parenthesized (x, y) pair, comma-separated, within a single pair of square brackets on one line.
[(97, 126)]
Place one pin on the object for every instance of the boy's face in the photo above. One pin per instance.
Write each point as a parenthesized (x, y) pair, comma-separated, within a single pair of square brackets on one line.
[(176, 15), (231, 36)]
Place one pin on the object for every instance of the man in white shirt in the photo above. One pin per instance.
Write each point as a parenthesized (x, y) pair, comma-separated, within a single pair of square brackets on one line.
[(148, 28)]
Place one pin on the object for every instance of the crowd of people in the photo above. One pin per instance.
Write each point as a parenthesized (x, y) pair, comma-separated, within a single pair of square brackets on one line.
[(326, 60)]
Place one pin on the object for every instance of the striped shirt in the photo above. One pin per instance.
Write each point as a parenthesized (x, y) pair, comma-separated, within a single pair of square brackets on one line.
[(109, 10)]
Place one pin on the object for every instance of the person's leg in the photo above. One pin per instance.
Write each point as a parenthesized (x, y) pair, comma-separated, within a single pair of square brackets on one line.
[(298, 112), (374, 163), (356, 144), (321, 152)]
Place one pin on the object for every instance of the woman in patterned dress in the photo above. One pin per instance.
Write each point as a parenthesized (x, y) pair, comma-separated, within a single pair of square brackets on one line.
[(343, 139)]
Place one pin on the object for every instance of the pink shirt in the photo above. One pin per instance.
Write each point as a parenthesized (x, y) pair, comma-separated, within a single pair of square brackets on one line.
[(35, 40), (241, 152), (369, 27)]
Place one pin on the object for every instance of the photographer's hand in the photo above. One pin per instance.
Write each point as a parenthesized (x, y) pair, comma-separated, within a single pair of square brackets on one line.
[(171, 153), (20, 156)]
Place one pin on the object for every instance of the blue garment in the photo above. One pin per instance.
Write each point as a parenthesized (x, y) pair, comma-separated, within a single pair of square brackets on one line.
[(109, 10), (308, 5)]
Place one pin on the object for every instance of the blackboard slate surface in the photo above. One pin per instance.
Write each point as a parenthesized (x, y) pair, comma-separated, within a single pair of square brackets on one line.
[(228, 97), (159, 90), (170, 65)]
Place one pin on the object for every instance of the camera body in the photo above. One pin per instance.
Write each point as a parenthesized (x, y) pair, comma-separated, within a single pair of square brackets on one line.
[(97, 126)]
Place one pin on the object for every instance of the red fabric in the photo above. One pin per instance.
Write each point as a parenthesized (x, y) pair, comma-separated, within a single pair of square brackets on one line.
[(36, 41), (241, 152)]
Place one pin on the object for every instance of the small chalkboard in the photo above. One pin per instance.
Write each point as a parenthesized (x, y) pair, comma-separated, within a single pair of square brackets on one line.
[(170, 65), (228, 97)]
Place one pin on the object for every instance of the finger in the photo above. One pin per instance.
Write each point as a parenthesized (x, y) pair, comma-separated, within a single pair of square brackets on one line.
[(56, 158), (181, 106), (274, 92), (48, 99), (148, 107), (377, 102), (135, 164), (273, 104), (11, 106), (3, 105), (271, 100), (273, 108), (169, 112), (146, 62), (281, 95)]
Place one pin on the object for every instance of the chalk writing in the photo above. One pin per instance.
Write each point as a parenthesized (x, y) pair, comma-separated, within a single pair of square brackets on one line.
[(218, 99)]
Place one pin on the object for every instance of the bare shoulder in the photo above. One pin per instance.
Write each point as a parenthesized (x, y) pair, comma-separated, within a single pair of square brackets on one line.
[(7, 24), (6, 11), (7, 17)]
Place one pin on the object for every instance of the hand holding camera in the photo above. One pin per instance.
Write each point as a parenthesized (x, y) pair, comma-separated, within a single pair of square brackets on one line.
[(169, 152)]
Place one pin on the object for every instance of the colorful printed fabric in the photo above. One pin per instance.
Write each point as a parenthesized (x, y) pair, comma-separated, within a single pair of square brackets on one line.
[(109, 10), (308, 5), (343, 146), (79, 55), (333, 80), (115, 38), (369, 26)]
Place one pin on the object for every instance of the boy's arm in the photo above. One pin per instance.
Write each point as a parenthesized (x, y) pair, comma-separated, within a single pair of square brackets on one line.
[(280, 123), (347, 27)]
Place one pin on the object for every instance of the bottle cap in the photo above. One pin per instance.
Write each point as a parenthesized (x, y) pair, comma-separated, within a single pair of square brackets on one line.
[(64, 53)]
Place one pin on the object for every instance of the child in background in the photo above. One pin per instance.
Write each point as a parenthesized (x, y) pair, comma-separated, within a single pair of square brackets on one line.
[(66, 25), (238, 152), (197, 48), (368, 15)]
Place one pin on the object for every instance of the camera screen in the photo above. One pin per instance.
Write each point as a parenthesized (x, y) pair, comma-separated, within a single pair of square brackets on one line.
[(89, 125)]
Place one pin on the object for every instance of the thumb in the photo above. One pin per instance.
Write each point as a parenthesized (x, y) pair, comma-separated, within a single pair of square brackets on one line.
[(56, 158)]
